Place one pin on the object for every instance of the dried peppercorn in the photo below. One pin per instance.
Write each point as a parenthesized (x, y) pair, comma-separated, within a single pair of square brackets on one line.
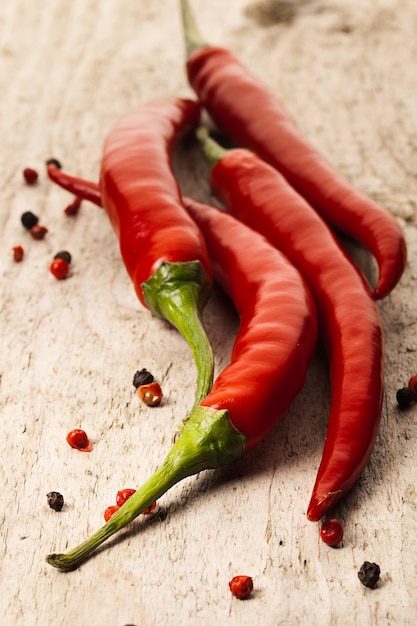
[(150, 509), (412, 384), (331, 532), (38, 232), (63, 254), (369, 574), (29, 220), (72, 209), (142, 377), (123, 495), (151, 394), (241, 586), (404, 397), (110, 511), (18, 253), (55, 500), (30, 175), (78, 439), (59, 268)]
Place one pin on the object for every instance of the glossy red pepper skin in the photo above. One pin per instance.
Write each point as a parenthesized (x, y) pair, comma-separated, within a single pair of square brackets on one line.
[(348, 316), (247, 112), (139, 192), (162, 248), (275, 342), (278, 327)]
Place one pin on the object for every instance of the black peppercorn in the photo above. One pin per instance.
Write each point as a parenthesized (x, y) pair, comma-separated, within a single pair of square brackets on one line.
[(65, 255), (54, 162), (29, 220), (369, 574), (55, 500), (404, 397), (142, 377)]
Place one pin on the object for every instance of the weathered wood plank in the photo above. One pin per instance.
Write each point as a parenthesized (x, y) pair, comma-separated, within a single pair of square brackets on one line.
[(68, 350)]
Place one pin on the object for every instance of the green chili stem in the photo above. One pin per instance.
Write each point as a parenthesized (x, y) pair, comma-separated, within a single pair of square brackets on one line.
[(213, 151), (193, 39), (178, 292), (208, 440)]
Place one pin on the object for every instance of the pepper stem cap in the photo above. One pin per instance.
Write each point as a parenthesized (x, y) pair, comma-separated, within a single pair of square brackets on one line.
[(178, 292)]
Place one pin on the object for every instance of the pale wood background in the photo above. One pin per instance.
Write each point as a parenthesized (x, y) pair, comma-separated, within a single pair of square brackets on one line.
[(347, 72)]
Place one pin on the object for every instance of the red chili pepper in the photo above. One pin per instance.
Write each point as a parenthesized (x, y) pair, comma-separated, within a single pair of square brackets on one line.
[(261, 197), (244, 109), (162, 248), (241, 586), (72, 209), (273, 347), (79, 440), (331, 532)]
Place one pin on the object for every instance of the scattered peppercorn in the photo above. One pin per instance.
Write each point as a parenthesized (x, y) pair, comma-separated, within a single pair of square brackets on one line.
[(369, 574), (110, 511), (142, 377), (331, 532), (72, 209), (63, 254), (59, 268), (38, 232), (123, 495), (55, 500), (241, 586), (150, 509), (29, 219), (404, 397), (151, 394), (78, 439), (18, 253), (30, 175), (412, 384)]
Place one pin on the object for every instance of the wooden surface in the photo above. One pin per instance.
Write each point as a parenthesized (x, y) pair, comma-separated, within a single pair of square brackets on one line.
[(69, 349)]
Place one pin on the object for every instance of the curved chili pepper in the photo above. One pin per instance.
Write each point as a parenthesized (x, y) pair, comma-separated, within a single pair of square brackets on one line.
[(253, 117), (349, 321), (161, 246), (272, 349)]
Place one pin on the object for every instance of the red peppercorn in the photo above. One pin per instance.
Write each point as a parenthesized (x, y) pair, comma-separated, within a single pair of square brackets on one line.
[(72, 209), (30, 175), (123, 495), (150, 509), (241, 586), (150, 394), (59, 268), (18, 253), (38, 231), (331, 532), (412, 384), (110, 511), (78, 439)]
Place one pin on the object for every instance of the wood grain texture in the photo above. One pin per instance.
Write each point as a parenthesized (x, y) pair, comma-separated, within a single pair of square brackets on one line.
[(69, 349)]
